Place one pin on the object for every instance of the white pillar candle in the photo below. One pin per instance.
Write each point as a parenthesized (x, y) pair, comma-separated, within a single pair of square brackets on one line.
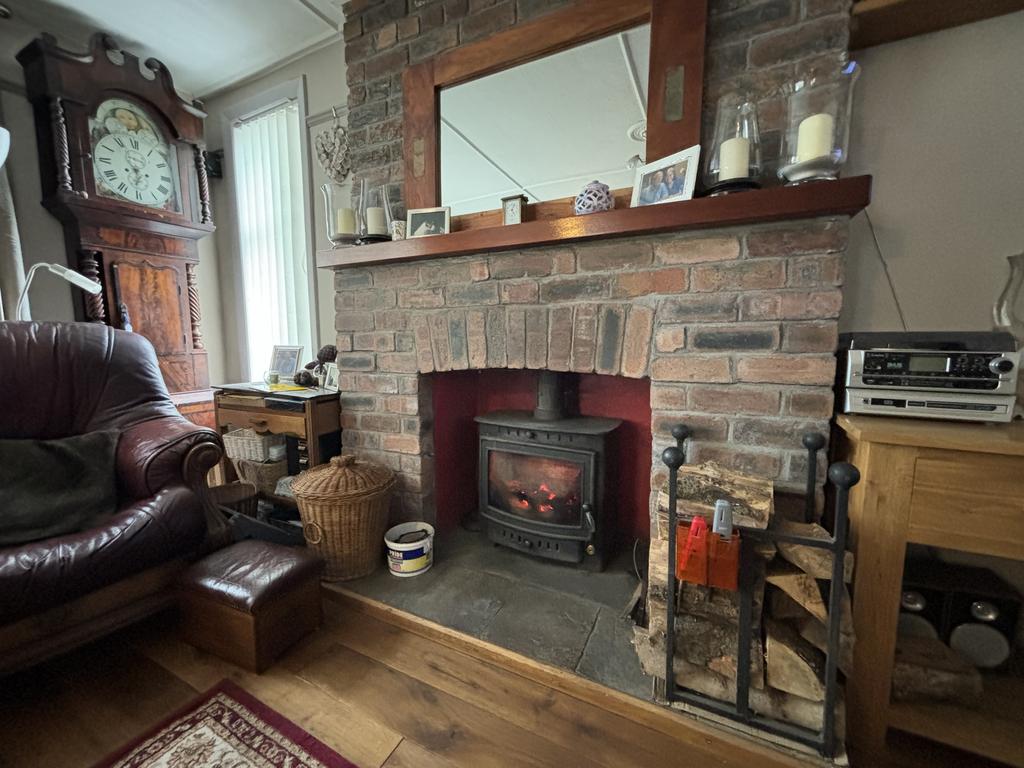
[(814, 137), (346, 221), (734, 159), (375, 224)]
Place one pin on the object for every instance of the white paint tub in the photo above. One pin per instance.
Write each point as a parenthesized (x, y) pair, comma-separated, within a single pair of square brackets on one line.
[(410, 548)]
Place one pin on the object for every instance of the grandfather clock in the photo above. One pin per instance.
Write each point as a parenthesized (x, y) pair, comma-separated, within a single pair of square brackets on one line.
[(123, 168)]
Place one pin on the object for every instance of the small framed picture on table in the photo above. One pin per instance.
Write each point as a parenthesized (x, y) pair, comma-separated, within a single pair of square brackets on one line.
[(284, 360), (424, 222), (331, 376), (668, 180)]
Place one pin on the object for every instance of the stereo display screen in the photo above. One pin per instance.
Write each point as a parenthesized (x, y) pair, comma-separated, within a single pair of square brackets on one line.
[(929, 363)]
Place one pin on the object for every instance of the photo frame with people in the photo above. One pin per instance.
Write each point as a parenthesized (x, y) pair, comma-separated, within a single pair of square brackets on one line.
[(667, 180)]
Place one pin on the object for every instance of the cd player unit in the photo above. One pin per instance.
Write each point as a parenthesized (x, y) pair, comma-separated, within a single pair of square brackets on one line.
[(967, 376)]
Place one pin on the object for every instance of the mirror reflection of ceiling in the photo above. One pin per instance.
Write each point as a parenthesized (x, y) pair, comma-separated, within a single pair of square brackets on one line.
[(546, 128)]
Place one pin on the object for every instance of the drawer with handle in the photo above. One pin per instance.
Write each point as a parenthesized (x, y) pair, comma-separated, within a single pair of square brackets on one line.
[(261, 421)]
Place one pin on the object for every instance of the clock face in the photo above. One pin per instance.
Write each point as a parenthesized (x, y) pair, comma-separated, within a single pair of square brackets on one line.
[(514, 211), (131, 160)]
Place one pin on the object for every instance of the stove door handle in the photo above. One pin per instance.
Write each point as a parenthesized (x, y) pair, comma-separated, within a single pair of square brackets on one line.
[(588, 521)]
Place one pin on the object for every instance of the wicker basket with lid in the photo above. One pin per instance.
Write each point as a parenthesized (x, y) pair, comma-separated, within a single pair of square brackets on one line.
[(344, 508)]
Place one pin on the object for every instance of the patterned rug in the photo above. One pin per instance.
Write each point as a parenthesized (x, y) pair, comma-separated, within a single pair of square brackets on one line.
[(226, 728)]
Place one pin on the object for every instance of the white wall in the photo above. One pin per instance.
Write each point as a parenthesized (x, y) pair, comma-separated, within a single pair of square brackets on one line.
[(324, 72), (938, 122), (42, 238)]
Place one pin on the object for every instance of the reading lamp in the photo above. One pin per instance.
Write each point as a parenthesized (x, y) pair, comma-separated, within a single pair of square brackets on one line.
[(68, 274)]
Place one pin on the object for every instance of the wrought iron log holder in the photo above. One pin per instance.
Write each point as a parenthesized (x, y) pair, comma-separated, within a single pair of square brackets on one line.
[(843, 476)]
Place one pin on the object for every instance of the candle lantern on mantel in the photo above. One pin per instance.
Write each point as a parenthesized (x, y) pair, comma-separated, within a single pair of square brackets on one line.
[(340, 219), (374, 214), (734, 162), (818, 128)]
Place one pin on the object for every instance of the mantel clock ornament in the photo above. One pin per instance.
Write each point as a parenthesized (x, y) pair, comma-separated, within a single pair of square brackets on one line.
[(123, 167)]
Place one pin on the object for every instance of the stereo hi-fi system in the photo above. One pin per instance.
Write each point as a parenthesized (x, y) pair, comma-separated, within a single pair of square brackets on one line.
[(968, 376)]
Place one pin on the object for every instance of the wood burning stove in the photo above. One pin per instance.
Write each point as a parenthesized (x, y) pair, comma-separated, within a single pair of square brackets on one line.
[(544, 476)]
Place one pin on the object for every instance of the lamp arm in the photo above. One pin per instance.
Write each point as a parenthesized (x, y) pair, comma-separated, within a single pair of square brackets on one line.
[(24, 291), (76, 279)]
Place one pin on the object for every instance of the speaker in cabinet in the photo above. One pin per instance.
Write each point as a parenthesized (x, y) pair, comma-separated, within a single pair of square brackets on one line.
[(971, 609)]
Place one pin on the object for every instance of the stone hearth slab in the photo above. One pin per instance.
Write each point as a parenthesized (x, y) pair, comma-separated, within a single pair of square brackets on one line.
[(609, 658), (553, 613), (548, 626)]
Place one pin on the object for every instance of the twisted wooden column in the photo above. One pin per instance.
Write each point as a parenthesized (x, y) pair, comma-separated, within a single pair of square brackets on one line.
[(195, 313), (89, 266)]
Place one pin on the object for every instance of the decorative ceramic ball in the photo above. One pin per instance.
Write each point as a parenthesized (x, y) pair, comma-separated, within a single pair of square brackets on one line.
[(594, 198)]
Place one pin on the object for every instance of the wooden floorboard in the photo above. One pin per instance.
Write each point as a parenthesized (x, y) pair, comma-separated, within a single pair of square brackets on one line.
[(371, 689)]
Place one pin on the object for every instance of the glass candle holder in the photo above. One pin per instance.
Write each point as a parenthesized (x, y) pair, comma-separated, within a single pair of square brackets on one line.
[(734, 161), (340, 220), (817, 135), (374, 213)]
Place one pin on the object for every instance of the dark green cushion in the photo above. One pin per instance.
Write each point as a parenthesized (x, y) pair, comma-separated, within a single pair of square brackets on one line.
[(54, 487)]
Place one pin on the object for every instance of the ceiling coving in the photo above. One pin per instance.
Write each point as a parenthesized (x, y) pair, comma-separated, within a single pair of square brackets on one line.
[(206, 45)]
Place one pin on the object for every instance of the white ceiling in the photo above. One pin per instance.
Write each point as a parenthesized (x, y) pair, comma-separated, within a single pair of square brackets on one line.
[(547, 127), (206, 44)]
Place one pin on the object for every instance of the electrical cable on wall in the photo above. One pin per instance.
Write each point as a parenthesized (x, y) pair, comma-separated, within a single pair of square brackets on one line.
[(885, 269)]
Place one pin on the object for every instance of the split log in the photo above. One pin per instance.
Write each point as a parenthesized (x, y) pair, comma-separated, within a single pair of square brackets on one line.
[(700, 485), (720, 604), (811, 560), (782, 606), (816, 633), (807, 592), (714, 645), (792, 664), (706, 643), (927, 669), (764, 701)]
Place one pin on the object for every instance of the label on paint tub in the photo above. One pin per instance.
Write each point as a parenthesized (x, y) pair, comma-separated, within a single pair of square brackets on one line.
[(409, 561)]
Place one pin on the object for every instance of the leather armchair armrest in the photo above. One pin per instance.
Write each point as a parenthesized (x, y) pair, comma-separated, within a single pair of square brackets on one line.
[(169, 451)]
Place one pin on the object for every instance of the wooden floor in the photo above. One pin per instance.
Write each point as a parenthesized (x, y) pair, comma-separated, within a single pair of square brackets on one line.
[(376, 687)]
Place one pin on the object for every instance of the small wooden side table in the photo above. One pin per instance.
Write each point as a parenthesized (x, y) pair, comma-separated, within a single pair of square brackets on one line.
[(953, 485), (313, 416)]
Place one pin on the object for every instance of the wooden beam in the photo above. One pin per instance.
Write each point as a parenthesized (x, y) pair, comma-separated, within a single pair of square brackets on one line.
[(551, 33), (884, 21), (845, 197), (676, 76)]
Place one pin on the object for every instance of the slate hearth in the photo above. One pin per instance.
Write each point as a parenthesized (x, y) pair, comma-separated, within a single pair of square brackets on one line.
[(508, 599)]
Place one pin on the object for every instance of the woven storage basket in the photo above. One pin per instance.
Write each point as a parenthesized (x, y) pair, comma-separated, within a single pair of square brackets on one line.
[(247, 444), (344, 509), (263, 474), (238, 497)]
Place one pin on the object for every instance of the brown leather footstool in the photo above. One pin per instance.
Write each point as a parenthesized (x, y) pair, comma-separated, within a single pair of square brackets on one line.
[(250, 601)]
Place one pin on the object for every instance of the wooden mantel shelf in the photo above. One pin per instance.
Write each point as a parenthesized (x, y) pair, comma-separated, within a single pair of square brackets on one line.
[(844, 197)]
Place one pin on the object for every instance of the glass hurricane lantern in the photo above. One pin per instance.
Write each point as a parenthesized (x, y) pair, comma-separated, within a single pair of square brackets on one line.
[(340, 220), (734, 162), (817, 135)]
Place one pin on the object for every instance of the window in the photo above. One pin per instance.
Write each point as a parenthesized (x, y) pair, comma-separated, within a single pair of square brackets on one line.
[(274, 256)]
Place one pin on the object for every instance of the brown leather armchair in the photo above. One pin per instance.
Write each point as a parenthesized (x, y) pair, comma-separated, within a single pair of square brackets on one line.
[(63, 379)]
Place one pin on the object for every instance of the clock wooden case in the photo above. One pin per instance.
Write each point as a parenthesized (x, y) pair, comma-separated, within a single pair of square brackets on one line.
[(123, 168)]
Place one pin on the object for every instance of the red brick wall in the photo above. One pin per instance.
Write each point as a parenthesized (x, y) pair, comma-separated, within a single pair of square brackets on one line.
[(735, 328)]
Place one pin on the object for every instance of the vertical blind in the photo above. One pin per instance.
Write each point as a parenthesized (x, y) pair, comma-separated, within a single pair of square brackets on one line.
[(272, 236)]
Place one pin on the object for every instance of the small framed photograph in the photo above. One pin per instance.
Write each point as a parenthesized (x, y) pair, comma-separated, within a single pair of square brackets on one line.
[(331, 376), (424, 222), (667, 180), (285, 360)]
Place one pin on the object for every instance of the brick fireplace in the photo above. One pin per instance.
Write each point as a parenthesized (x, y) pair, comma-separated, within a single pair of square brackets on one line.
[(735, 328)]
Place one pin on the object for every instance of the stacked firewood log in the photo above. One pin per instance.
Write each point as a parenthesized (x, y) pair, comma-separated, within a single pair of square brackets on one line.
[(790, 604)]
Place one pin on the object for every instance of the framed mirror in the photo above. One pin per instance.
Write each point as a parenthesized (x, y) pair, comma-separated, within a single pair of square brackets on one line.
[(481, 123), (547, 127)]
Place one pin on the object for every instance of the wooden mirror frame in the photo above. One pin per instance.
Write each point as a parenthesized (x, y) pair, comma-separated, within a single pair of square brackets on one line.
[(675, 85)]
